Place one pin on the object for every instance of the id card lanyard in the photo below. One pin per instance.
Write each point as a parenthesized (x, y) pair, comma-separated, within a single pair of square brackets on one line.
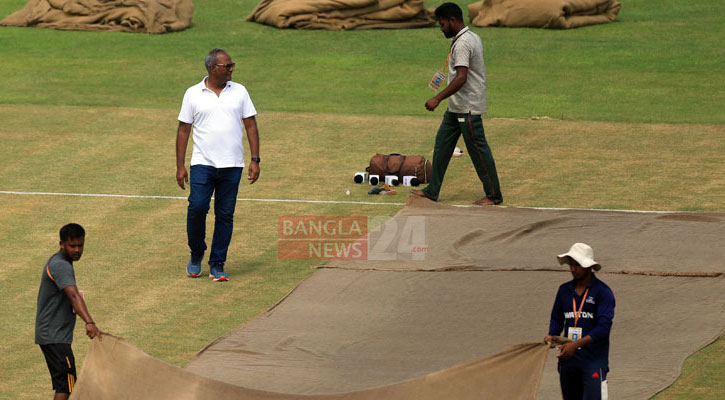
[(437, 81), (577, 314)]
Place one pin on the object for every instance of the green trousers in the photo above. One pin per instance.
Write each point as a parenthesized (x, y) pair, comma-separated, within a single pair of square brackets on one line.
[(471, 126)]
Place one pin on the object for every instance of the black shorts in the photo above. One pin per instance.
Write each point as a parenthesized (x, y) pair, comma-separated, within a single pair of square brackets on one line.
[(62, 366)]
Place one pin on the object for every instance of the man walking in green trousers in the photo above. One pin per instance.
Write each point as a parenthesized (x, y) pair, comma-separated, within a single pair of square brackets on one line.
[(466, 91)]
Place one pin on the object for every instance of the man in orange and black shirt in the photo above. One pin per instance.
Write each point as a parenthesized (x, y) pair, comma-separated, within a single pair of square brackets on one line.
[(59, 301)]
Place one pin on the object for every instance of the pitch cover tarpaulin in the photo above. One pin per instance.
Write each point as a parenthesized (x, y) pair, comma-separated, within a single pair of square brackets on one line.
[(114, 369), (344, 330), (342, 14), (556, 14), (489, 238), (368, 329), (366, 323), (147, 16)]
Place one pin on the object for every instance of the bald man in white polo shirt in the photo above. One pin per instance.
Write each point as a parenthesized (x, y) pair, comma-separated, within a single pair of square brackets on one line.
[(220, 111)]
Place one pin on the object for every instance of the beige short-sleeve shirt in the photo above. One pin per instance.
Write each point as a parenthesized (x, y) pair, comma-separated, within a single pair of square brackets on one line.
[(467, 51)]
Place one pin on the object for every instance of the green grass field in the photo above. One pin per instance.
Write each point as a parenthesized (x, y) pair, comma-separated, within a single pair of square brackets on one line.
[(635, 121), (660, 62)]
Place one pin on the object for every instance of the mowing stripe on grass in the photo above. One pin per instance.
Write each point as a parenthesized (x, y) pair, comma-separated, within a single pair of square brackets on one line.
[(137, 196)]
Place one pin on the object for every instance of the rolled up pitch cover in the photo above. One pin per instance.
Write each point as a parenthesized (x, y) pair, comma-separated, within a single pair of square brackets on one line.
[(410, 180), (374, 179), (361, 177)]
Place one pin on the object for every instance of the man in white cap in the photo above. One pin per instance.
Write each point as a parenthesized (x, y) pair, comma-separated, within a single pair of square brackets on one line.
[(584, 310)]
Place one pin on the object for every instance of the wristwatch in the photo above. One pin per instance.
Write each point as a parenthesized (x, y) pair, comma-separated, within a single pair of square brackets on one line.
[(256, 159)]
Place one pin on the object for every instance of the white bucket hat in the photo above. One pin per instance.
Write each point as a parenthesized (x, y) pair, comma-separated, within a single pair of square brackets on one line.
[(581, 253)]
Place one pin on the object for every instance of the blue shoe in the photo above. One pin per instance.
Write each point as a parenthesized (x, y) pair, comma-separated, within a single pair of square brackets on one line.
[(193, 269), (216, 272)]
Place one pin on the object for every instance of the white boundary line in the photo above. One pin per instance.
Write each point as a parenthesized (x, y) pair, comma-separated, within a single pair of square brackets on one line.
[(135, 196)]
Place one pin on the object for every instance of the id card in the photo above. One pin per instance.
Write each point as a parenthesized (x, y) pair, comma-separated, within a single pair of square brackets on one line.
[(437, 80), (574, 333)]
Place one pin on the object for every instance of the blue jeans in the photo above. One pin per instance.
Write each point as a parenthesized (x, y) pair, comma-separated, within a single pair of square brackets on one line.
[(224, 184)]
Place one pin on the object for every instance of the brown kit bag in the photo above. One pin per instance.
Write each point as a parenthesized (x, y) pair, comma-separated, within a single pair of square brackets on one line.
[(400, 166)]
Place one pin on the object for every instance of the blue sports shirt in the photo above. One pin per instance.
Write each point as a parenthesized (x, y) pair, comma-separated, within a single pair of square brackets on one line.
[(595, 320)]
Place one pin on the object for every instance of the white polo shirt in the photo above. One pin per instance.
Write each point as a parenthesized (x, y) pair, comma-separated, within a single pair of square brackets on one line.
[(217, 123)]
